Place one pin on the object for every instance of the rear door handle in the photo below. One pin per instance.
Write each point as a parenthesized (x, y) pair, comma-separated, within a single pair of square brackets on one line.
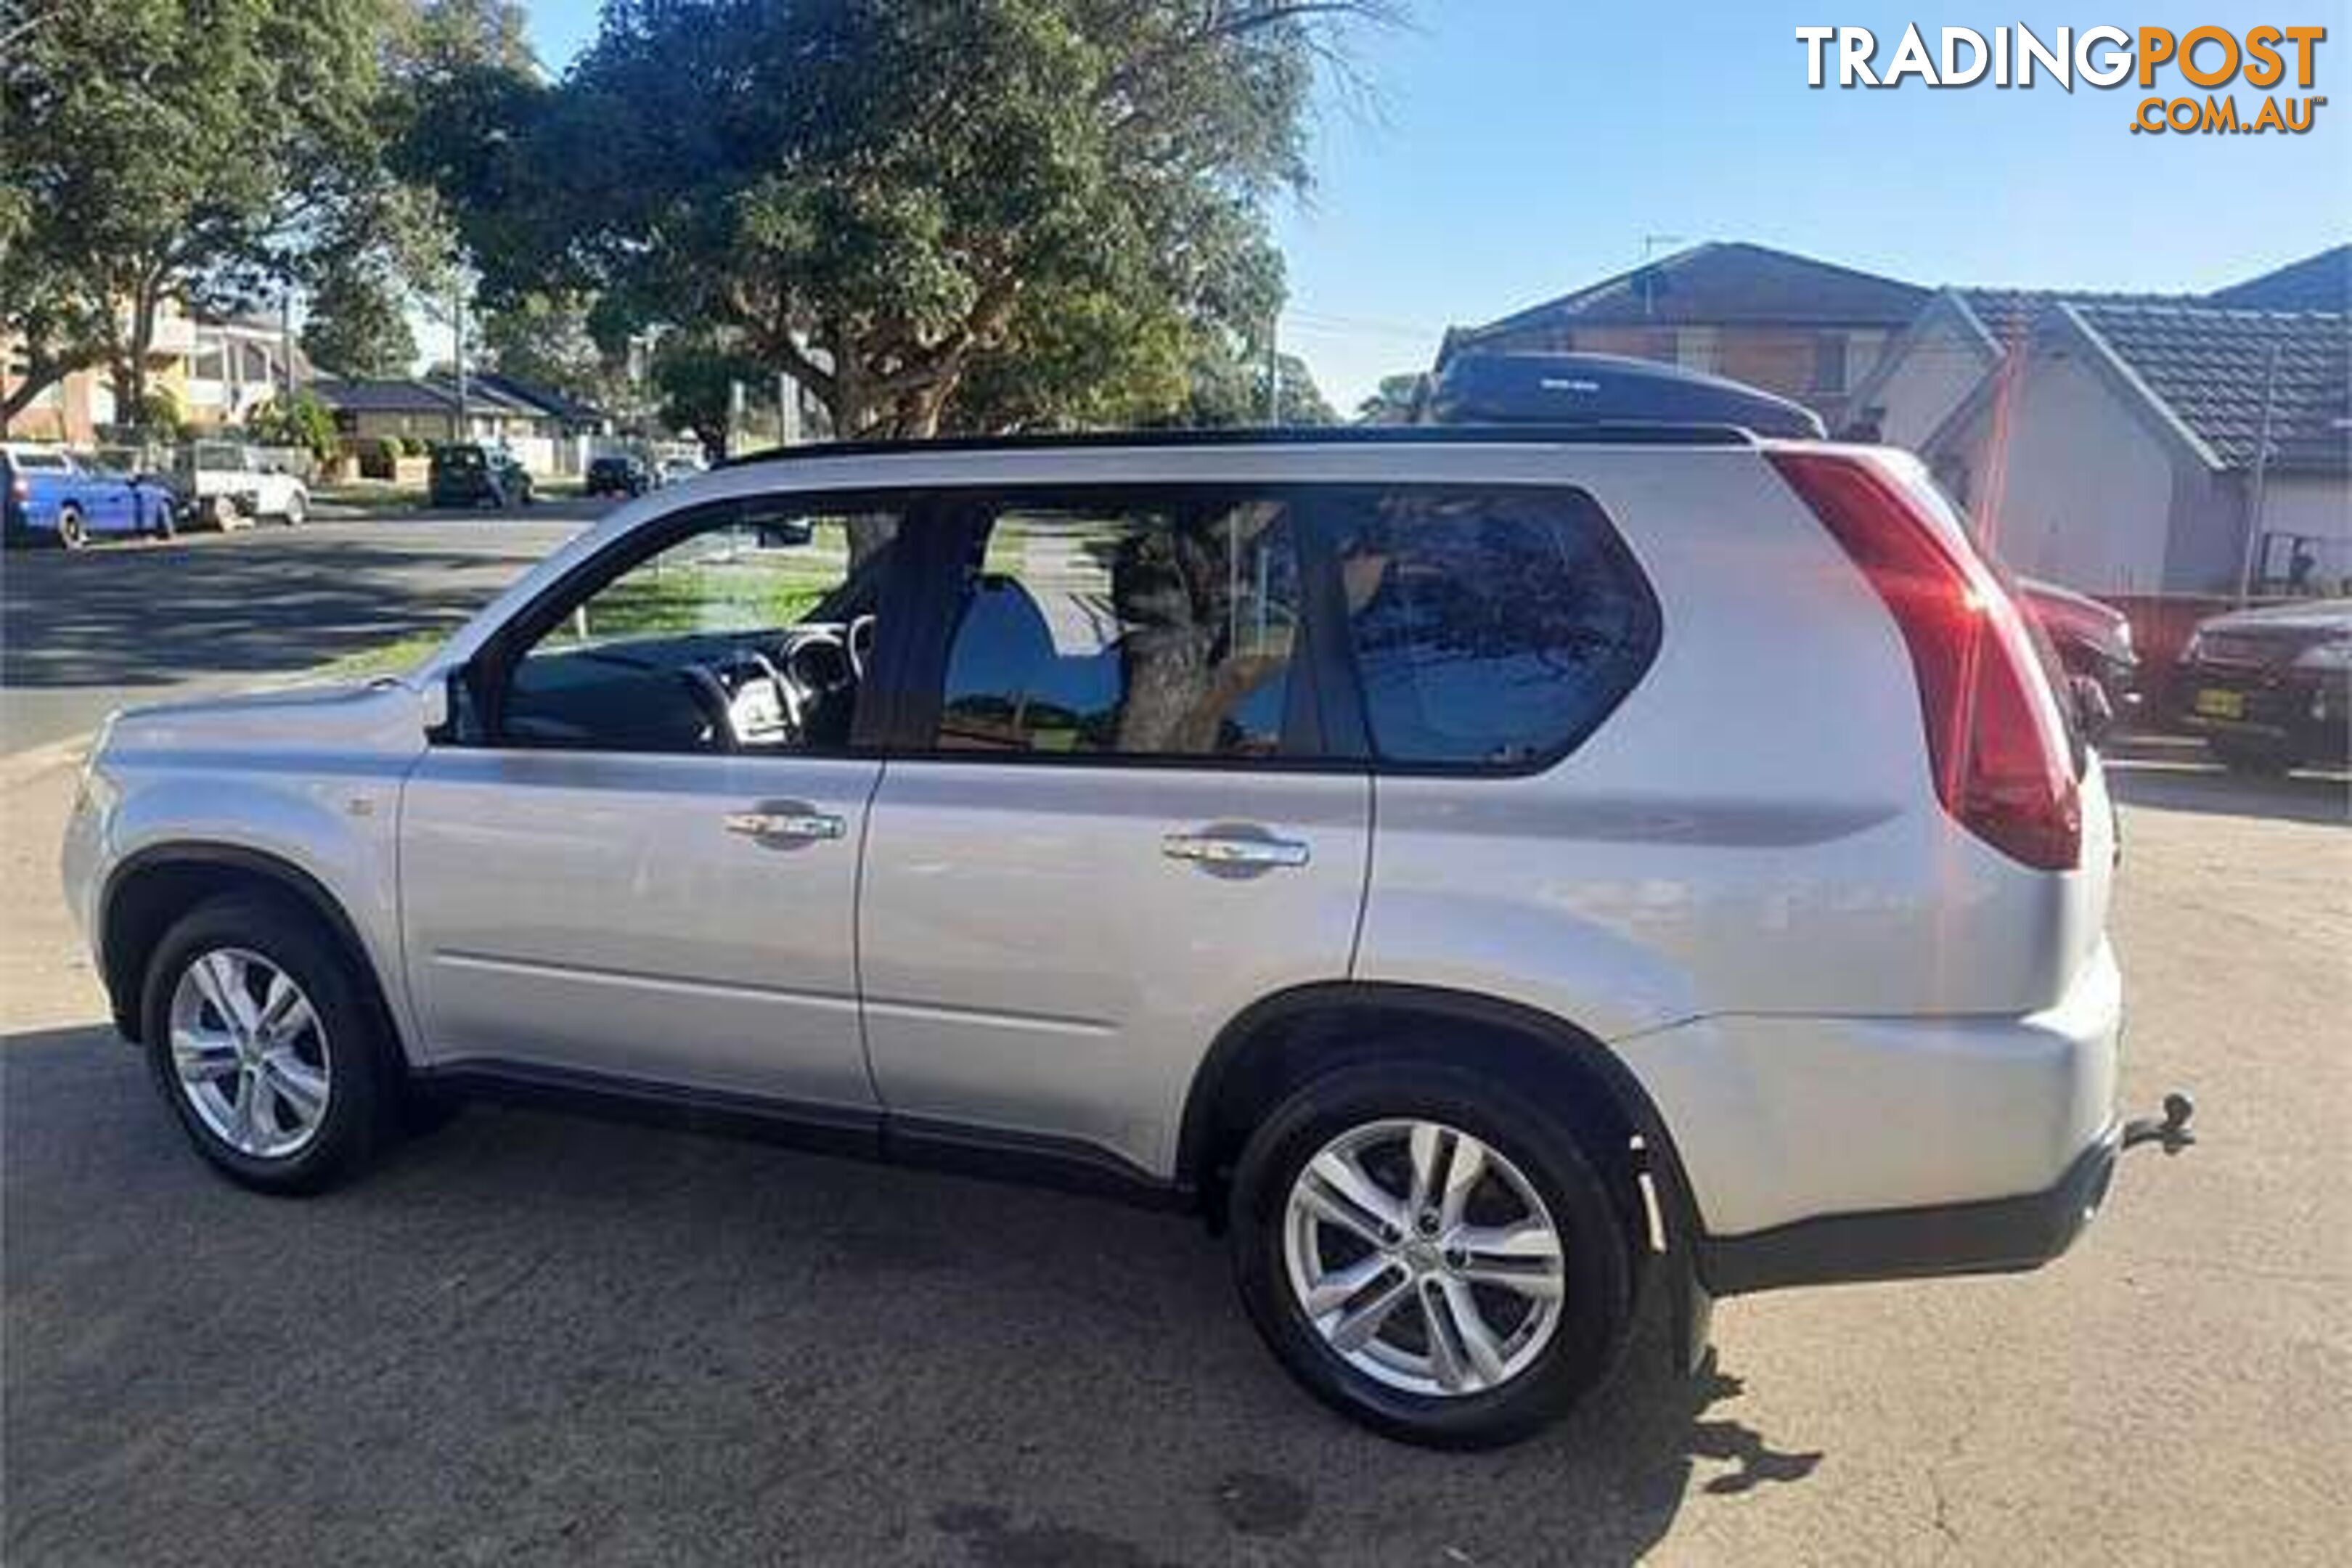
[(786, 822), (1234, 850)]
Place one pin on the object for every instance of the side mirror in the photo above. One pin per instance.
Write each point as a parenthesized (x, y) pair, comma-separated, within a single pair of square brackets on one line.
[(435, 706), (2094, 715)]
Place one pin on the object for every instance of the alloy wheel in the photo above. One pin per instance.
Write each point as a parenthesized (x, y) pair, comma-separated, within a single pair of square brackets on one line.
[(250, 1052), (1423, 1258)]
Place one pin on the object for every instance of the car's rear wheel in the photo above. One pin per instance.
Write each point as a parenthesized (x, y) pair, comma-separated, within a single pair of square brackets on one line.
[(1430, 1256), (73, 530), (297, 510), (165, 524), (263, 1040)]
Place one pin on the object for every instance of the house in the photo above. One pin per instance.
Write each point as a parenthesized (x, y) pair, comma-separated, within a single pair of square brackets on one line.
[(568, 416), (2321, 282), (2118, 445), (215, 369), (432, 408), (1804, 329)]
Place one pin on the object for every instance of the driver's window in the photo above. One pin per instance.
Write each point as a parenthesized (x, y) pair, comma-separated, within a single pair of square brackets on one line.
[(753, 635)]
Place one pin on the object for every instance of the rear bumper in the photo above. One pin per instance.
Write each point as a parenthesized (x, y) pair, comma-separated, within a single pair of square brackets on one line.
[(2308, 713), (1996, 1236)]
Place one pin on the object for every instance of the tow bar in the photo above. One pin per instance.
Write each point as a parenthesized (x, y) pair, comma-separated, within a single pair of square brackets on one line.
[(2171, 1130)]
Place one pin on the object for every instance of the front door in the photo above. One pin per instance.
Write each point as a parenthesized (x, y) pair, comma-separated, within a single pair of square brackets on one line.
[(642, 863), (1111, 831)]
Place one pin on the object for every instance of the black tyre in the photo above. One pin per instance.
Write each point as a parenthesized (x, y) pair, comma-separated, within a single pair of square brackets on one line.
[(2256, 759), (264, 1040), (1429, 1254), (166, 522), (73, 530)]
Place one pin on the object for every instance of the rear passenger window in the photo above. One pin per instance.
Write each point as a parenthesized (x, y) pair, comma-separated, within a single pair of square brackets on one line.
[(1494, 628), (1141, 628)]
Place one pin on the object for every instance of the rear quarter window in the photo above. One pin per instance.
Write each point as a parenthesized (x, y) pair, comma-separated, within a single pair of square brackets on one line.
[(1490, 628)]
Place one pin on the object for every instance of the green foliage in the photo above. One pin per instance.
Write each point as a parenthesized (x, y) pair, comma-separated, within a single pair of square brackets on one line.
[(298, 421), (965, 214), (158, 415), (696, 377), (357, 324), (175, 151), (1395, 400), (546, 339), (1228, 386)]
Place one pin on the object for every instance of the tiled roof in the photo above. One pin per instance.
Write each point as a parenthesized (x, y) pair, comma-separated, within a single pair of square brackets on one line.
[(2010, 314), (2209, 368), (1720, 284), (422, 395), (2321, 282)]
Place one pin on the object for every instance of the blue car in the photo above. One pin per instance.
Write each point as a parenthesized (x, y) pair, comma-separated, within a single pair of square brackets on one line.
[(48, 494)]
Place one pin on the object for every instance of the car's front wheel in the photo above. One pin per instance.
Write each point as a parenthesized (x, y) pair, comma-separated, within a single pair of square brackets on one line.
[(297, 510), (1429, 1254), (73, 531), (261, 1037)]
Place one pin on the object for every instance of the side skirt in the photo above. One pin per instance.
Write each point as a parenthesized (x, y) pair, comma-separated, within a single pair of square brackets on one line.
[(1067, 1164)]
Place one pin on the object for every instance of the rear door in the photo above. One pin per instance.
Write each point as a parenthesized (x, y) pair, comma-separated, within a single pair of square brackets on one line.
[(1112, 820)]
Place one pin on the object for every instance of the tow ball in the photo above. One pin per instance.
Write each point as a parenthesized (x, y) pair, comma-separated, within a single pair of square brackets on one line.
[(2171, 1130)]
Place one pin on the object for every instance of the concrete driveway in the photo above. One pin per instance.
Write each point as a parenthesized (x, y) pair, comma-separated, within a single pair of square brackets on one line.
[(540, 1339), (140, 621)]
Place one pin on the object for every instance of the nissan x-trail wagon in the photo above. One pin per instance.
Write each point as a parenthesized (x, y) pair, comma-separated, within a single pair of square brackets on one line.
[(1485, 872)]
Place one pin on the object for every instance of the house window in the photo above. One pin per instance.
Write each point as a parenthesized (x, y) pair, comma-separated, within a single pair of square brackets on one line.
[(1829, 362)]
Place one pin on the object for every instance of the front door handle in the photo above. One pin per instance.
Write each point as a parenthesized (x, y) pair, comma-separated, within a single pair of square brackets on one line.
[(786, 822), (1234, 850)]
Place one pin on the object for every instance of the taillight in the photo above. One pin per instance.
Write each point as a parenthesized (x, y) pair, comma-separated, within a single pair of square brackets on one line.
[(1995, 736)]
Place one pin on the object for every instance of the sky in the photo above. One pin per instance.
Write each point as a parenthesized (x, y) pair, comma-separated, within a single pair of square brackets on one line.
[(1512, 151)]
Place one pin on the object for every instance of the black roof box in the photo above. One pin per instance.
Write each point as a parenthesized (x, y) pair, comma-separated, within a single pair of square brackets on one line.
[(1592, 389)]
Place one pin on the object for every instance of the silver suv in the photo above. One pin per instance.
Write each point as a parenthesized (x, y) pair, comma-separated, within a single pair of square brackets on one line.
[(1487, 871)]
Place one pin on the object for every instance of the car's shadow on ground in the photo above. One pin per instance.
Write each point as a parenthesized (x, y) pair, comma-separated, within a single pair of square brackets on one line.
[(2309, 796), (532, 1336)]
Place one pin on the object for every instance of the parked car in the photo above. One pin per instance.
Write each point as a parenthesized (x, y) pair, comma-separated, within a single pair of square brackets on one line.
[(2271, 689), (468, 473), (677, 470), (620, 475), (1733, 916), (49, 494), (2092, 641), (229, 485)]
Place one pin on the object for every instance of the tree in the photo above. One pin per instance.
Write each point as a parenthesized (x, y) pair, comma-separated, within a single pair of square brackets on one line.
[(358, 325), (1228, 388), (300, 420), (969, 213), (1396, 401), (547, 340), (162, 150)]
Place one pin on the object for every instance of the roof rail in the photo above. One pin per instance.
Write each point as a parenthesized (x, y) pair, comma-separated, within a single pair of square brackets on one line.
[(1565, 389), (1636, 433)]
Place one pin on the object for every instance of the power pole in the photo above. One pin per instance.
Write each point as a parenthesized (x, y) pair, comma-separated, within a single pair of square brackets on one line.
[(2259, 480), (458, 349), (1274, 369), (285, 341)]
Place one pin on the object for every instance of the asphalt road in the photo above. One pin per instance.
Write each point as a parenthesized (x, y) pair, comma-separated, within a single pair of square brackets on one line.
[(82, 634), (531, 1338)]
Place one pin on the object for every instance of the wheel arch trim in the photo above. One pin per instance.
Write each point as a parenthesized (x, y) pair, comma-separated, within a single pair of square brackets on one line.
[(1197, 1127), (124, 988)]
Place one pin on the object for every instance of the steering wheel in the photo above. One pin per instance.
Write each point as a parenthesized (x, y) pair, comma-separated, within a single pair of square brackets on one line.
[(860, 644), (710, 696)]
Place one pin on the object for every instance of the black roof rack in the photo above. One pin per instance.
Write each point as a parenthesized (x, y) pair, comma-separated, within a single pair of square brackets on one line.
[(1637, 433), (1556, 390)]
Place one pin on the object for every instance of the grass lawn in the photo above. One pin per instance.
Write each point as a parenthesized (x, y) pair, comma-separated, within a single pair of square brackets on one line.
[(393, 657)]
